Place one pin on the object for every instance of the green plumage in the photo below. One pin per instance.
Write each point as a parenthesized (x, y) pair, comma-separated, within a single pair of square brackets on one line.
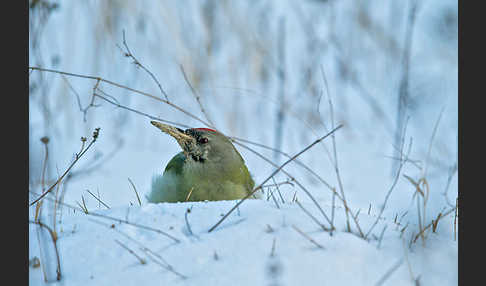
[(210, 171)]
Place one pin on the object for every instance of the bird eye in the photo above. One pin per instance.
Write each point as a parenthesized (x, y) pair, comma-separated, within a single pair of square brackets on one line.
[(203, 140)]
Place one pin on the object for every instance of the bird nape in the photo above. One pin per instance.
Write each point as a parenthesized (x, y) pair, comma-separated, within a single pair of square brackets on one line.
[(208, 168)]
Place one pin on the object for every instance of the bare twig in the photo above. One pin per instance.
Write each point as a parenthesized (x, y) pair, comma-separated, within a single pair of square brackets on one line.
[(54, 241), (136, 193), (381, 236), (98, 199), (273, 174), (291, 177), (198, 98), (389, 272), (403, 93), (431, 224), (397, 176), (78, 156), (126, 88), (128, 53), (307, 237), (272, 252), (141, 260), (83, 206), (313, 218), (278, 189), (187, 222), (335, 162)]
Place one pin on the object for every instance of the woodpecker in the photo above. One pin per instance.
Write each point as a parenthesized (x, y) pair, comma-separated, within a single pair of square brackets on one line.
[(208, 168)]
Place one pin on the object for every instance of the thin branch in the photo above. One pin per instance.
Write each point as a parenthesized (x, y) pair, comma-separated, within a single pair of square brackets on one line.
[(307, 237), (431, 141), (98, 199), (336, 167), (95, 136), (54, 241), (196, 95), (126, 88), (128, 53), (432, 223), (395, 181), (313, 218), (141, 260), (389, 272), (136, 193), (291, 177)]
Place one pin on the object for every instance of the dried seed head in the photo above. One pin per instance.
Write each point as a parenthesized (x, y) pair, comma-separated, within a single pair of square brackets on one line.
[(45, 139), (96, 133)]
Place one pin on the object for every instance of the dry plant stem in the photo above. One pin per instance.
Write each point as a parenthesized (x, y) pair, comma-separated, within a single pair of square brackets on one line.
[(336, 169), (198, 98), (381, 236), (141, 260), (273, 174), (126, 88), (395, 181), (314, 218), (272, 252), (232, 138), (308, 237), (78, 156), (169, 268), (85, 109), (99, 200), (452, 172), (187, 222), (432, 223), (403, 92), (38, 209), (140, 113), (54, 241), (431, 141), (278, 190), (136, 193), (136, 62), (117, 220), (54, 214), (290, 176), (273, 198), (287, 182), (389, 272), (335, 161)]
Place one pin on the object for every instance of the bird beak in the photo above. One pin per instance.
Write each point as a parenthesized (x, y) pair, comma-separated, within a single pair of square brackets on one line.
[(183, 139)]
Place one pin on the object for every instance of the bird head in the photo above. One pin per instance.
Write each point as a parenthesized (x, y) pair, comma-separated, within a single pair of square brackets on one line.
[(200, 144)]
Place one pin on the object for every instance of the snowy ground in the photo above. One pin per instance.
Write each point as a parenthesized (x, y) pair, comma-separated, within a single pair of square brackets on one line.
[(256, 246), (233, 53)]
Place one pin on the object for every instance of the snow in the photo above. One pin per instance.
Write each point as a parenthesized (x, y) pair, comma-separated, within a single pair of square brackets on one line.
[(243, 246), (231, 55)]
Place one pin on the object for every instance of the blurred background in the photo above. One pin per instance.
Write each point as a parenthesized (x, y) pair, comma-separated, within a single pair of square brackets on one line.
[(277, 73)]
